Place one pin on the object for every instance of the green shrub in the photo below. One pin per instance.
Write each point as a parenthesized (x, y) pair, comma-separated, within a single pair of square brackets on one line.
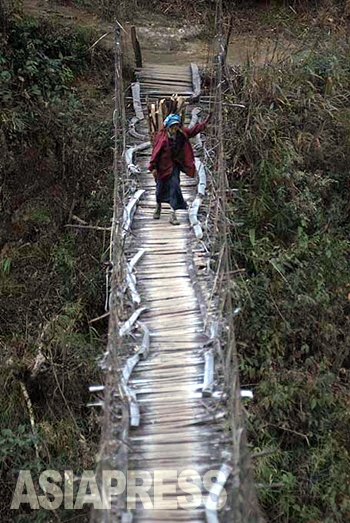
[(287, 154)]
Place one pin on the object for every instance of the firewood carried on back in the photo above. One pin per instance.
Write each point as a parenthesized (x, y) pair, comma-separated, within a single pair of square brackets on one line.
[(158, 111), (163, 108), (152, 122)]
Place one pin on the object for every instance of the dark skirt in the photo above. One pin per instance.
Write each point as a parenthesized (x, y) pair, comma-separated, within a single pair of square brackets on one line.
[(169, 190)]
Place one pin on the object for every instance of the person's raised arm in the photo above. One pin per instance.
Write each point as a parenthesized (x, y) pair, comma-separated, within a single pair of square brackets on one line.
[(198, 128)]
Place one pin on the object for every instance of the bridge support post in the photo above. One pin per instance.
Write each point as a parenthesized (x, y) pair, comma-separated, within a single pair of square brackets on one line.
[(136, 47)]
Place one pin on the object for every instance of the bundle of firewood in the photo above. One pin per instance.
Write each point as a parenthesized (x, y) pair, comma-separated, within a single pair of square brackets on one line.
[(158, 111)]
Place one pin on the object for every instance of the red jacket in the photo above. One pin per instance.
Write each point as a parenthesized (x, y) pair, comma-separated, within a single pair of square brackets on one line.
[(161, 157)]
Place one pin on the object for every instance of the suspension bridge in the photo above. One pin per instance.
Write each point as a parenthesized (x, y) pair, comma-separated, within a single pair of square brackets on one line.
[(173, 421)]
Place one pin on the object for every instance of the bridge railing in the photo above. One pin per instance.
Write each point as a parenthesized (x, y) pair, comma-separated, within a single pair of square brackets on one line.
[(113, 455), (242, 495)]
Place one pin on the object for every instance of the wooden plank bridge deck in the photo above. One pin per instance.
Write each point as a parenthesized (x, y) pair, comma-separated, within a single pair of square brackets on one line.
[(177, 429)]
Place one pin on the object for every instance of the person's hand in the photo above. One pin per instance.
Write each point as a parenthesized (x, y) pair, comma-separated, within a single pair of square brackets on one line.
[(154, 172), (207, 119)]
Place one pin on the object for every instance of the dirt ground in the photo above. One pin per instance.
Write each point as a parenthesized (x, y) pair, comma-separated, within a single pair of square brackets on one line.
[(172, 39)]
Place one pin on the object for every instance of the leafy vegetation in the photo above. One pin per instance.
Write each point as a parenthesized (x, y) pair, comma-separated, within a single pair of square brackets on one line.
[(287, 154), (55, 136)]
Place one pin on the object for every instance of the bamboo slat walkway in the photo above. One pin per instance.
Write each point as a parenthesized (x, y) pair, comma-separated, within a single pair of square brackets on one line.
[(162, 417), (178, 430)]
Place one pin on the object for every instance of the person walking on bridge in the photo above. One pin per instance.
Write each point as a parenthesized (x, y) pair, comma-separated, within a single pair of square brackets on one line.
[(172, 153)]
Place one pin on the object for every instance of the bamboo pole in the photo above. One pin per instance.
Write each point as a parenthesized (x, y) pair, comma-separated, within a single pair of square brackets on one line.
[(115, 421), (227, 42), (136, 47), (243, 498)]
